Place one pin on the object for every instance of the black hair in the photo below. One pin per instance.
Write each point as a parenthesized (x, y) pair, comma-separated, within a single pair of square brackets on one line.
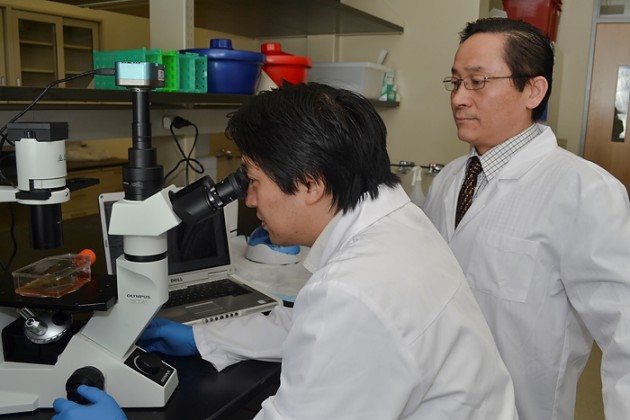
[(528, 52), (314, 130)]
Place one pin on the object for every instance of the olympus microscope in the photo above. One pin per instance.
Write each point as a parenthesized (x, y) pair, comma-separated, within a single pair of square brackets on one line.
[(103, 352)]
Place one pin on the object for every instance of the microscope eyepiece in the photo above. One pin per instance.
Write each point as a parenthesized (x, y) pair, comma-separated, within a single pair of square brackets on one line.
[(202, 199), (233, 187)]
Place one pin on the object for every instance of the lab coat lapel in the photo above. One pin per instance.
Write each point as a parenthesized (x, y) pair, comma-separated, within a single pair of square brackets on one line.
[(477, 205), (530, 155), (518, 166)]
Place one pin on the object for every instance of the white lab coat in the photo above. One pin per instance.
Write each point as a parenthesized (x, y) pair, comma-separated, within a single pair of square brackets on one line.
[(386, 328), (546, 249)]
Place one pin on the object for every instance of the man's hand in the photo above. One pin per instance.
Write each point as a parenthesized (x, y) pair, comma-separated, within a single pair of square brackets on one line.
[(168, 337), (102, 407)]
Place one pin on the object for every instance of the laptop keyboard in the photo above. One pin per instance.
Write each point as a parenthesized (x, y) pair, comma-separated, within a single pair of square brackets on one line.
[(209, 290)]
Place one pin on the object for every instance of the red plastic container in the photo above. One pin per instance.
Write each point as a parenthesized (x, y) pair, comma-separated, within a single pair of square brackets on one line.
[(543, 14), (283, 67)]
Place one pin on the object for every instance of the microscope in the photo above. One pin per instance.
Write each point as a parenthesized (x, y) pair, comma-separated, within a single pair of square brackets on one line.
[(103, 352)]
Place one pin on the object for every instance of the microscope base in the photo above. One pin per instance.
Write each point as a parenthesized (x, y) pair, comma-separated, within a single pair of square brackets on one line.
[(18, 348), (137, 380)]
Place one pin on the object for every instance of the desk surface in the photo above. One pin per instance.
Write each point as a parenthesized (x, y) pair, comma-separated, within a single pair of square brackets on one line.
[(202, 393)]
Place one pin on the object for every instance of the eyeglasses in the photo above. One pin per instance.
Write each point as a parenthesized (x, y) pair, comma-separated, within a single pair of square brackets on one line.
[(472, 82)]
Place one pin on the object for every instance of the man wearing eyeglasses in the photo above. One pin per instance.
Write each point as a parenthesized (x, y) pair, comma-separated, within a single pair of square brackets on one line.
[(542, 235)]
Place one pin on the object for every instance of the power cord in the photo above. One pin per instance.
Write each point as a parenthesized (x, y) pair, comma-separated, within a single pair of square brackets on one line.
[(188, 160), (5, 155), (101, 72)]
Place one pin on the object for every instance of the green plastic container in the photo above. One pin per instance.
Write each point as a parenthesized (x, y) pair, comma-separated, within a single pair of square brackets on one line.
[(171, 62), (193, 73), (201, 73)]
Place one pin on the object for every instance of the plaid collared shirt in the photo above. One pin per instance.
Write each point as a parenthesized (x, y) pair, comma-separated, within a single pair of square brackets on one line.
[(496, 158)]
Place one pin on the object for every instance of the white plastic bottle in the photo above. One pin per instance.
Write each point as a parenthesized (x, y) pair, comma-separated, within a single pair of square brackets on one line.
[(416, 195)]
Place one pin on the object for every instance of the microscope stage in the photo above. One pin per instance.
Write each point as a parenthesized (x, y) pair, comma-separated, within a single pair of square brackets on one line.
[(99, 294)]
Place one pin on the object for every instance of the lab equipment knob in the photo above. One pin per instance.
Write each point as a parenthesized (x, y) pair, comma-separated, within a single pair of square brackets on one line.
[(88, 375), (149, 363)]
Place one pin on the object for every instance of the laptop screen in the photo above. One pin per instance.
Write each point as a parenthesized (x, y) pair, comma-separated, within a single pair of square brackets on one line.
[(194, 251)]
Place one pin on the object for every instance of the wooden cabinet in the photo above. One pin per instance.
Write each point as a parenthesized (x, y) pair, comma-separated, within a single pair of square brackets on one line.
[(80, 38), (3, 67), (71, 43), (84, 202), (46, 48), (264, 19)]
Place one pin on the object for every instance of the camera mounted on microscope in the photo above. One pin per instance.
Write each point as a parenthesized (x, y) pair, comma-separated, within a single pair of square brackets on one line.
[(139, 75)]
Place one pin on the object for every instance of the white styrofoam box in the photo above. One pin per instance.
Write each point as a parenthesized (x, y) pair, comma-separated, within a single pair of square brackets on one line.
[(364, 78)]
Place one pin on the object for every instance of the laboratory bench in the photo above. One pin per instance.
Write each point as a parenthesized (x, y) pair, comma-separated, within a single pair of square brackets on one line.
[(93, 176), (78, 233), (203, 393)]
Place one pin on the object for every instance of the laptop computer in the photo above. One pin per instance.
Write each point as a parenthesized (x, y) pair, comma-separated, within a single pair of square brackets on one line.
[(203, 286)]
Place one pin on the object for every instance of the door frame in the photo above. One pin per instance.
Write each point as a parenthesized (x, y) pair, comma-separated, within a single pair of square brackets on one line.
[(597, 19)]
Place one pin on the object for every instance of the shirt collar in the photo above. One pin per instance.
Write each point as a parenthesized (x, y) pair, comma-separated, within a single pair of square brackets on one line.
[(496, 158)]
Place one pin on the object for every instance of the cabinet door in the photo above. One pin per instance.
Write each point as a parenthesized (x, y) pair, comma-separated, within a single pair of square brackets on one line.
[(48, 48), (84, 201), (3, 69), (35, 60), (80, 38)]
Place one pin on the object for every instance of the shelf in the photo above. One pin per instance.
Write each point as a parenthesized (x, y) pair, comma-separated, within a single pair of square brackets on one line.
[(269, 18), (44, 71), (63, 98), (78, 47), (37, 43), (70, 98)]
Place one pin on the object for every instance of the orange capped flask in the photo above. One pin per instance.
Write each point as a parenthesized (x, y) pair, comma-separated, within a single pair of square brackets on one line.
[(55, 276)]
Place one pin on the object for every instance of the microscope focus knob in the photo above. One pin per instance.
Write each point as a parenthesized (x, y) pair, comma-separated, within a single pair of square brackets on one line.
[(88, 375), (149, 363)]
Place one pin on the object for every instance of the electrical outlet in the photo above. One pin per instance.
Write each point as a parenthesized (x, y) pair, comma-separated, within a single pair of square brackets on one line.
[(167, 120)]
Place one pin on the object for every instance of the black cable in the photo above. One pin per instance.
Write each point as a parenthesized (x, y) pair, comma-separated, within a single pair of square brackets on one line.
[(3, 179), (4, 139), (188, 160), (103, 72), (6, 268), (7, 181)]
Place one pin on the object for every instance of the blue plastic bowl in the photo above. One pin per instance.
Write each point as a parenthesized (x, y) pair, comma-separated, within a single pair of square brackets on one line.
[(229, 70)]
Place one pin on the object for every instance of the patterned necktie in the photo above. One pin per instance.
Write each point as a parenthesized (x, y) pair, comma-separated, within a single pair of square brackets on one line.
[(468, 188)]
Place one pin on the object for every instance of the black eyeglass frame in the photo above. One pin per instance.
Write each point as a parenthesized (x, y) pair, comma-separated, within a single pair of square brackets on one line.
[(451, 86)]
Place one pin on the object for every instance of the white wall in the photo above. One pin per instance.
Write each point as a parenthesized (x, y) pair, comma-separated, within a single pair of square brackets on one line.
[(421, 129)]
